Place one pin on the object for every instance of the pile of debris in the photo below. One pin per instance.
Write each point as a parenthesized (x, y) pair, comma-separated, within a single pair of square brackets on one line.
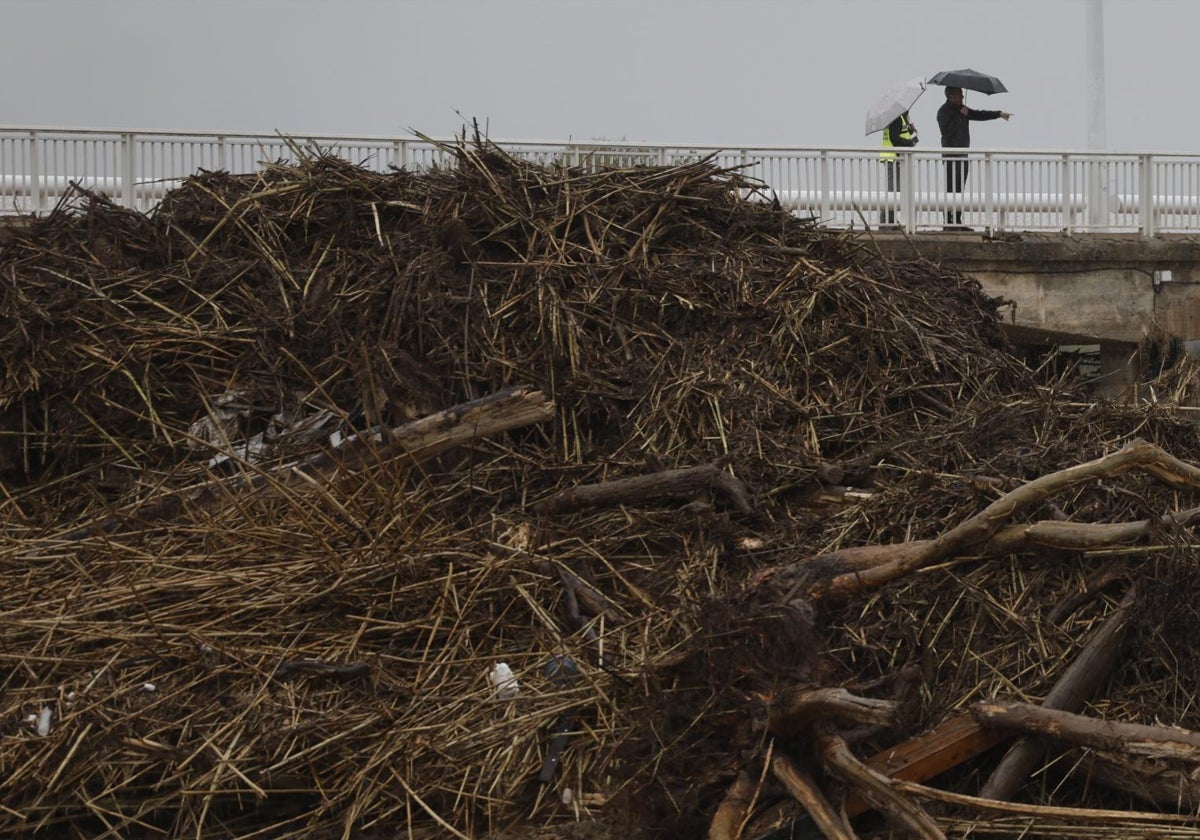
[(505, 495)]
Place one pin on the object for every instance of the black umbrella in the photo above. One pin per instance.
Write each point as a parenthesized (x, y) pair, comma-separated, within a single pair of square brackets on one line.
[(970, 80)]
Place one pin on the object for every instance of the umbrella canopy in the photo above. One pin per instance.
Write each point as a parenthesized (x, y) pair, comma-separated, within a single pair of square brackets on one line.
[(894, 103), (968, 80)]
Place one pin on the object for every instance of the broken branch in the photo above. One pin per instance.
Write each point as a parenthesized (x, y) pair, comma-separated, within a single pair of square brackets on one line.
[(1083, 731), (803, 788), (680, 483)]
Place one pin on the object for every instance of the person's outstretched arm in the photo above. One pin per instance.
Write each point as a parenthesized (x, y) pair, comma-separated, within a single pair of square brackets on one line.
[(973, 114)]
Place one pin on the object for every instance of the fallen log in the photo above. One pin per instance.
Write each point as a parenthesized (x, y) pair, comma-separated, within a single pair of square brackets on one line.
[(687, 483), (1082, 731), (419, 440), (1074, 688)]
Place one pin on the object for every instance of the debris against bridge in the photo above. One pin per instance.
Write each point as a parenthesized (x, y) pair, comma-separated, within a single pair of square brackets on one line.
[(294, 464)]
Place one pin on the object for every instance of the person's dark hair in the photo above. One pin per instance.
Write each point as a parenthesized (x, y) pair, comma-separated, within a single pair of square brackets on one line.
[(950, 89)]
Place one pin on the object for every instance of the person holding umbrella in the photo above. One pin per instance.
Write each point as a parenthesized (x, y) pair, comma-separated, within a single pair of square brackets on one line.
[(954, 119), (890, 115), (900, 132)]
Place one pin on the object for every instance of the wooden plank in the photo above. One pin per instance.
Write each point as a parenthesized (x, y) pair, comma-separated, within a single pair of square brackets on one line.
[(949, 744)]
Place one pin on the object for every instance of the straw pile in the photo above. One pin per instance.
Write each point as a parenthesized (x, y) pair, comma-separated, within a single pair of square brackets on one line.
[(227, 646)]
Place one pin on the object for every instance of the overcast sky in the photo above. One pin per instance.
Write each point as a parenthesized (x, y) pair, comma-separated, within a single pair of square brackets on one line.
[(711, 72)]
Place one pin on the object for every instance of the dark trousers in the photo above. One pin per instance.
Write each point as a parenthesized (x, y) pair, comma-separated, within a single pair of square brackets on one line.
[(888, 216), (956, 176)]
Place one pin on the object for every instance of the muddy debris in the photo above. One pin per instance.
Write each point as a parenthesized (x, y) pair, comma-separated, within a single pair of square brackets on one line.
[(293, 463)]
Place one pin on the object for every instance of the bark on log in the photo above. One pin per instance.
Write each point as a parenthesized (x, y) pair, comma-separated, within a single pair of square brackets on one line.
[(1156, 784), (803, 788), (848, 571), (680, 483), (419, 440), (1074, 688), (1133, 739), (877, 789), (730, 814), (796, 710)]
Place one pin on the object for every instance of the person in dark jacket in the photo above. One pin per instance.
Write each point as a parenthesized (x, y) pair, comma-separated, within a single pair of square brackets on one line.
[(954, 119), (900, 132)]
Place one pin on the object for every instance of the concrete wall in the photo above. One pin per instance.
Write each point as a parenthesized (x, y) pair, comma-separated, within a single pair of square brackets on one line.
[(1082, 285)]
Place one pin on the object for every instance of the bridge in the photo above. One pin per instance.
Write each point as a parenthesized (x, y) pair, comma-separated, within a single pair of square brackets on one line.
[(1093, 248)]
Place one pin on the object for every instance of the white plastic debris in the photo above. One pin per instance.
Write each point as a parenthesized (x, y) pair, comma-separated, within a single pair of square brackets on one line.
[(43, 722), (149, 687), (567, 796), (503, 681), (220, 424)]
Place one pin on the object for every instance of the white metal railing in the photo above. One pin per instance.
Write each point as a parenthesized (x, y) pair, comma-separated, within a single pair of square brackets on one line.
[(1005, 189)]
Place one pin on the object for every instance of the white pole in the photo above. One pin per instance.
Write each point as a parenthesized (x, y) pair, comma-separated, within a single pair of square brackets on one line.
[(1097, 123)]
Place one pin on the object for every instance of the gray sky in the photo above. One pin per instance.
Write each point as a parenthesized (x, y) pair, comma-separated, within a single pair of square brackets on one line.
[(712, 72)]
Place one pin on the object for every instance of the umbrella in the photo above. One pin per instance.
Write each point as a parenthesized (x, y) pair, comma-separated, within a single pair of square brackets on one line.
[(970, 80), (894, 103)]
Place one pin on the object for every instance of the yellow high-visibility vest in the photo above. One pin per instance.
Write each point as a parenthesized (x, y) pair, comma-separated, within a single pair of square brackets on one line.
[(905, 132)]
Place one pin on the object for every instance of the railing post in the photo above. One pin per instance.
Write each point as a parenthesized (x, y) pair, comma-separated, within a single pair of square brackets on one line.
[(129, 174), (907, 204), (1097, 194), (662, 155), (221, 164), (1067, 188), (35, 172), (1146, 195), (989, 193), (824, 185)]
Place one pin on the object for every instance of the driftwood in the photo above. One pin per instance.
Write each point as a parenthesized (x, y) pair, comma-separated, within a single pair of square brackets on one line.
[(1081, 816), (419, 440), (1079, 730), (801, 785), (1096, 584), (845, 572), (1077, 684), (1157, 784), (876, 789), (687, 483), (796, 710), (731, 813), (922, 757)]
